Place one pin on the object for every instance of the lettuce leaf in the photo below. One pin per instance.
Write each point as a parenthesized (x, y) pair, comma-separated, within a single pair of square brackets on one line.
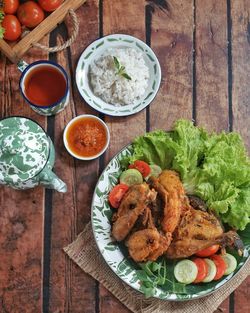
[(155, 148), (214, 167), (2, 30)]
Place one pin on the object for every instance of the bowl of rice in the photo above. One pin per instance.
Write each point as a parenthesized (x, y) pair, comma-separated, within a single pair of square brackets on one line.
[(118, 75)]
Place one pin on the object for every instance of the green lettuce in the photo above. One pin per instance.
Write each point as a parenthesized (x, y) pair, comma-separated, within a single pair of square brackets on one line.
[(214, 167)]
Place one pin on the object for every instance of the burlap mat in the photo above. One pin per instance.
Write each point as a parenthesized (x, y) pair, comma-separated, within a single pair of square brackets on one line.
[(85, 253)]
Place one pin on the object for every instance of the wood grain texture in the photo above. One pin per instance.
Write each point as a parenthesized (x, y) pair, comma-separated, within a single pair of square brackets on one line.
[(21, 215), (240, 36), (71, 290), (240, 12), (120, 18), (172, 42), (211, 65)]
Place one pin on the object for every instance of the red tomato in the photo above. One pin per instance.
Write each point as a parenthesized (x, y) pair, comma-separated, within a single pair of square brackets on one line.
[(220, 265), (50, 5), (202, 269), (30, 14), (10, 6), (12, 27), (208, 251), (116, 195), (142, 167)]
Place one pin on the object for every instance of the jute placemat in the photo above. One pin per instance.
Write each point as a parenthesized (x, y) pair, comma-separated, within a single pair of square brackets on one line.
[(85, 253)]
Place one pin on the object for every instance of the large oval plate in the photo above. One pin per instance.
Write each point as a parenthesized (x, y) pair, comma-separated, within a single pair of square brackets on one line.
[(116, 257), (94, 51)]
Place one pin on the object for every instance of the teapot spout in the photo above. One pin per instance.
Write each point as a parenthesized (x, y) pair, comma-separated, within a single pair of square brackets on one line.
[(49, 180)]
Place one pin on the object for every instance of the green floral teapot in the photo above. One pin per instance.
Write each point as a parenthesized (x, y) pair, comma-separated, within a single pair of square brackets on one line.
[(27, 155)]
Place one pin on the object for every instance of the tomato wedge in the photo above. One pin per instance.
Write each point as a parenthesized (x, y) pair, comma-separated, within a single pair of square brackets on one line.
[(202, 269), (142, 167), (116, 195), (208, 251), (220, 266)]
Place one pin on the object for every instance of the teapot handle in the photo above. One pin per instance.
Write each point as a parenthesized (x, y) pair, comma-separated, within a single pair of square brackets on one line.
[(49, 180), (21, 65)]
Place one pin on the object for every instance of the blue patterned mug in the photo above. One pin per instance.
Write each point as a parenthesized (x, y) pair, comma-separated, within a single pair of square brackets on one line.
[(45, 86)]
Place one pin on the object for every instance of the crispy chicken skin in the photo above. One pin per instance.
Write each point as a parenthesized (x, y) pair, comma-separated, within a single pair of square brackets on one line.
[(199, 230), (158, 218), (147, 244), (142, 243), (132, 206), (171, 190)]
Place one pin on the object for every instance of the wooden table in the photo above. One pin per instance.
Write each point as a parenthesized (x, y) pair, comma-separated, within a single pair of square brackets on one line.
[(203, 48)]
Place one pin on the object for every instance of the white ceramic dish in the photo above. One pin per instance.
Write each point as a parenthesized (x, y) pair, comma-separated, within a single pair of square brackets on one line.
[(116, 256), (94, 51), (66, 142)]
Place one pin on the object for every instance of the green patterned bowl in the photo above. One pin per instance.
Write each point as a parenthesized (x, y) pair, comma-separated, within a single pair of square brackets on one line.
[(115, 254), (94, 51)]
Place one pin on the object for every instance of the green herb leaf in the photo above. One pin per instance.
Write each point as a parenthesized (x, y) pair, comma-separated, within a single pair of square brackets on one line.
[(120, 69), (125, 75), (158, 274), (117, 63)]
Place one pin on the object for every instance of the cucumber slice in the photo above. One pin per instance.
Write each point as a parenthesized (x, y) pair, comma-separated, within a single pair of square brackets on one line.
[(185, 271), (231, 263), (211, 271), (131, 177), (155, 170)]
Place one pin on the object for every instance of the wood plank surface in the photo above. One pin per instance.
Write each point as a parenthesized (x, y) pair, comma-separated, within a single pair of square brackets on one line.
[(21, 213), (70, 289), (240, 12), (120, 18), (172, 43), (211, 75), (240, 53)]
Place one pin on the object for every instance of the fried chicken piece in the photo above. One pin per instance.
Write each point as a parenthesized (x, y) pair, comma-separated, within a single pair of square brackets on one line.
[(172, 193), (142, 243), (132, 206), (199, 230), (147, 244), (164, 242)]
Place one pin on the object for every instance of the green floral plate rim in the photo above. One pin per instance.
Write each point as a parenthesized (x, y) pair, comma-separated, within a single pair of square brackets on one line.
[(120, 264), (94, 51)]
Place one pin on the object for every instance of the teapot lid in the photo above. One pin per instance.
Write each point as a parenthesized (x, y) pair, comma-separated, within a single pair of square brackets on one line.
[(24, 149)]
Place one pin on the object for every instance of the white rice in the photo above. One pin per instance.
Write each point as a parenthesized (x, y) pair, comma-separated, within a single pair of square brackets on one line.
[(113, 88)]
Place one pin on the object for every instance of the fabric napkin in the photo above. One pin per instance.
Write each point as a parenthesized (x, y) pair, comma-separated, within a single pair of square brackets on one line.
[(84, 252)]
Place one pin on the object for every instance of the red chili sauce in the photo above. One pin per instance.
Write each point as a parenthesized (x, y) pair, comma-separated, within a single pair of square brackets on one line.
[(86, 137)]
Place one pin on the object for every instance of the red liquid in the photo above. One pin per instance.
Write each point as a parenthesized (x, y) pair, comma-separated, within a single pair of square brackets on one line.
[(45, 85)]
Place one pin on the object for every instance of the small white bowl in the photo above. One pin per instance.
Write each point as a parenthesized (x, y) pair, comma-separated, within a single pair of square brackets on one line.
[(66, 142)]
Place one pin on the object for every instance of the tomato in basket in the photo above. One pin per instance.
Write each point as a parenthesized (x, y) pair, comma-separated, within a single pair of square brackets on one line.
[(12, 27), (10, 6), (30, 14), (50, 5)]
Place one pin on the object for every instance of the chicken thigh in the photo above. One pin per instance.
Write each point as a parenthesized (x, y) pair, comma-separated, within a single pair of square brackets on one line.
[(199, 230)]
